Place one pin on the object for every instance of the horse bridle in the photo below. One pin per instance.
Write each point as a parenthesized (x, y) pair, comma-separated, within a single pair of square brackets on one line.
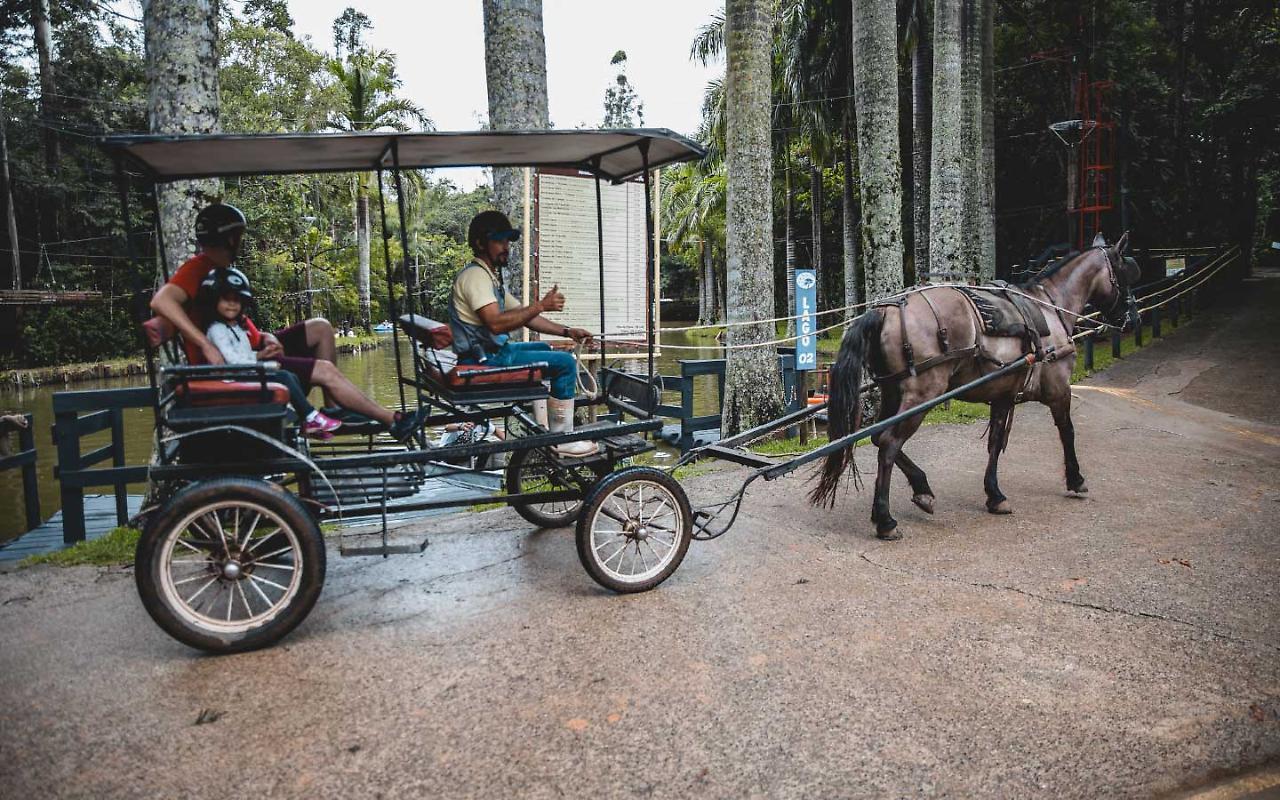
[(1120, 294)]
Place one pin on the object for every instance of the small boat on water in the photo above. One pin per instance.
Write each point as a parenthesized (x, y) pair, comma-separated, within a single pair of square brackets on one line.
[(382, 327)]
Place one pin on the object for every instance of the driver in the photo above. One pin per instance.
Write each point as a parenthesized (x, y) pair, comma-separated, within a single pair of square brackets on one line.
[(482, 314)]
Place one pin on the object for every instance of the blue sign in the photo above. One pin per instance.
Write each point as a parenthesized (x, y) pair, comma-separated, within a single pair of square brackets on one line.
[(806, 319)]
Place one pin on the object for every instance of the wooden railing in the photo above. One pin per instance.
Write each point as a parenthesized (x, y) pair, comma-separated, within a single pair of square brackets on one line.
[(25, 459)]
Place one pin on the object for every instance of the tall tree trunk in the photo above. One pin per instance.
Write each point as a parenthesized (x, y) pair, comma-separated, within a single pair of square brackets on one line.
[(705, 283), (875, 73), (789, 246), (753, 382), (921, 136), (11, 220), (516, 77), (50, 201), (362, 248), (849, 214), (987, 164), (815, 225), (946, 170), (971, 131), (182, 97)]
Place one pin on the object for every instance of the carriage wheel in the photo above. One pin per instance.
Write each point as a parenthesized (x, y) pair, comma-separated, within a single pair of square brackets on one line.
[(230, 564), (535, 471), (634, 530)]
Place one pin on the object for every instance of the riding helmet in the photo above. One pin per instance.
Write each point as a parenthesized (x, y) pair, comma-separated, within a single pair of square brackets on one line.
[(215, 223), (226, 280)]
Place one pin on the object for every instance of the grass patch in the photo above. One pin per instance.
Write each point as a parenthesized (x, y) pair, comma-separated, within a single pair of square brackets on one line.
[(1102, 357), (116, 547)]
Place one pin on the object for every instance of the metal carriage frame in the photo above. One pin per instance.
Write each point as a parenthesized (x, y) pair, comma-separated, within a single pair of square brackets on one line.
[(241, 494)]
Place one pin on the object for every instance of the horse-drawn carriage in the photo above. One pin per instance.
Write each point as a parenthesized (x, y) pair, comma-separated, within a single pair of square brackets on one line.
[(234, 557)]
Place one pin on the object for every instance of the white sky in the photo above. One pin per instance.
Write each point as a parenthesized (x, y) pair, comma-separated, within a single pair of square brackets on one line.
[(440, 46)]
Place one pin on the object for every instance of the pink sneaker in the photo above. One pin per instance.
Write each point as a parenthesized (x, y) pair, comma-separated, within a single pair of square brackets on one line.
[(318, 426)]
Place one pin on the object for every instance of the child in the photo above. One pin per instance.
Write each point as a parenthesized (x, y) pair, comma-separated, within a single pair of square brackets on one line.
[(226, 292), (223, 294)]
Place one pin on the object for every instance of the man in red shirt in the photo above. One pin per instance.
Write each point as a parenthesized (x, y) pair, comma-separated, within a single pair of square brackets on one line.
[(297, 348)]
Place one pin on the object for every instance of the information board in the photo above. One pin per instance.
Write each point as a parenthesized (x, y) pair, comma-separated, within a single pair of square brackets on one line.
[(806, 321), (566, 251)]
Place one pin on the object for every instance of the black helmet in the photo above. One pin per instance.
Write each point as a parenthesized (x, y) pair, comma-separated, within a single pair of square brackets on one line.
[(214, 224), (491, 225), (225, 280)]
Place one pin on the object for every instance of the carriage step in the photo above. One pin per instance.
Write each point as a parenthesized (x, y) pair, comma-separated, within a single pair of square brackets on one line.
[(375, 547)]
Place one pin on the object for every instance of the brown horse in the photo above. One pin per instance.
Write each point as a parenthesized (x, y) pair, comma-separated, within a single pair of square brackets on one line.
[(933, 340)]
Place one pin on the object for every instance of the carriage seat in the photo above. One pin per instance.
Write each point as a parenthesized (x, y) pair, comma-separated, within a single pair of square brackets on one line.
[(442, 367), (202, 393)]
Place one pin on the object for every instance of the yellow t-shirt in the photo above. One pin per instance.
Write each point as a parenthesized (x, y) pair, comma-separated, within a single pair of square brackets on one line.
[(473, 289)]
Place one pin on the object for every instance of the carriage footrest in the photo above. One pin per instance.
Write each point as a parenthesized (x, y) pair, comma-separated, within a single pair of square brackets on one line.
[(372, 546), (744, 457)]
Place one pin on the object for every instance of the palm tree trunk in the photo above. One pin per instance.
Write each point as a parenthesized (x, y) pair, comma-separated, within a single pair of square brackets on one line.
[(182, 97), (971, 131), (362, 247), (946, 190), (987, 164), (706, 285), (788, 190), (921, 134), (815, 225), (875, 72), (48, 112), (753, 382), (516, 77), (850, 220)]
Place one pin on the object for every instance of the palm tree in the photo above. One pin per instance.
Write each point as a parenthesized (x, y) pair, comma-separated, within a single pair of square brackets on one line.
[(918, 41), (875, 69), (753, 383), (516, 79), (946, 189), (369, 83), (693, 209)]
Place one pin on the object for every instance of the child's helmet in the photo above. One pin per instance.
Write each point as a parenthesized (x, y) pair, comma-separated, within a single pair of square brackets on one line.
[(215, 223), (226, 280)]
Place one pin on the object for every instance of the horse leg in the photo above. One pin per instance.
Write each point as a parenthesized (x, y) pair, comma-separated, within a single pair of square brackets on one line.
[(1067, 433), (997, 434), (890, 444), (921, 494)]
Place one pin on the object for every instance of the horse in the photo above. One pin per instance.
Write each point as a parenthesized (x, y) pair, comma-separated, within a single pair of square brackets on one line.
[(932, 339)]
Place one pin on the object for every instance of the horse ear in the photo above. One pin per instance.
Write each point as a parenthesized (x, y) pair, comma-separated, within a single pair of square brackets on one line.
[(1099, 240), (1123, 244)]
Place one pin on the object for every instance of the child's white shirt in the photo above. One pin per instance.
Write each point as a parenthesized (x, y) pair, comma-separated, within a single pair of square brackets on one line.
[(232, 341)]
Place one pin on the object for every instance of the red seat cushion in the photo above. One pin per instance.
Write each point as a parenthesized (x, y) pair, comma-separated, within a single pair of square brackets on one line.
[(158, 330), (435, 335), (231, 393), (464, 375)]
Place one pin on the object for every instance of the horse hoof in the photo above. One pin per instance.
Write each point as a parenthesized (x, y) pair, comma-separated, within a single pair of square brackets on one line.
[(1002, 507), (1078, 491), (924, 502), (890, 533)]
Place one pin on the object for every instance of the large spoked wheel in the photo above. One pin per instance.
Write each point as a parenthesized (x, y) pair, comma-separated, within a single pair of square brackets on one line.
[(535, 471), (634, 529), (231, 564)]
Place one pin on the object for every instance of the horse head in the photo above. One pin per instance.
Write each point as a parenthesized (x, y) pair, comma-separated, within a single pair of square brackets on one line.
[(1114, 297)]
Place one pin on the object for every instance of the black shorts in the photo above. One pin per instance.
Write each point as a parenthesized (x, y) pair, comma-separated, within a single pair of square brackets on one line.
[(297, 357)]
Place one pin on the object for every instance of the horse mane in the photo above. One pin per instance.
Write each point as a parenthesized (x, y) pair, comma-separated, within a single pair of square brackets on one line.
[(1053, 266)]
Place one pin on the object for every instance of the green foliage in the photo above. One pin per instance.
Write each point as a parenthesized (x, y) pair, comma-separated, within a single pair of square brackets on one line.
[(622, 106), (114, 548)]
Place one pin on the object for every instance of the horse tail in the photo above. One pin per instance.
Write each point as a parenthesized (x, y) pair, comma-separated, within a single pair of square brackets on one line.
[(844, 403)]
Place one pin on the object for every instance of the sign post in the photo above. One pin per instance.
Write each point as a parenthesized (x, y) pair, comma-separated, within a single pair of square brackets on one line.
[(807, 343)]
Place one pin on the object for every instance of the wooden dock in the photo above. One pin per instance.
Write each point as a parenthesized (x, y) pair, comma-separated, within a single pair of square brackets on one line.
[(99, 519)]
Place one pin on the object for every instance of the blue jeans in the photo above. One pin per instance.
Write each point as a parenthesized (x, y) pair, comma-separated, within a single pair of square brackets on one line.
[(562, 369), (297, 395)]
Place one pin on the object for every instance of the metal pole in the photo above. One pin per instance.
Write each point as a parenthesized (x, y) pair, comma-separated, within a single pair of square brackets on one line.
[(391, 295), (600, 247), (649, 254), (404, 247)]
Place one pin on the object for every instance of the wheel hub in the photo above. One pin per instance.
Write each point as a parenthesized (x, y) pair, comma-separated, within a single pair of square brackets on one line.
[(231, 570), (634, 529)]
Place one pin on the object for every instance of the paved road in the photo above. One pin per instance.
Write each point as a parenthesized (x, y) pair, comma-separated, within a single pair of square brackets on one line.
[(1127, 644)]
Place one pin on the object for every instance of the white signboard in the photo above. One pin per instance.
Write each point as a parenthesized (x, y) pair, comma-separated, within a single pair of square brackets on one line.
[(566, 251)]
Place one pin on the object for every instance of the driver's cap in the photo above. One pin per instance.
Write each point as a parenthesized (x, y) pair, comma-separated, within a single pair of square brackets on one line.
[(492, 225)]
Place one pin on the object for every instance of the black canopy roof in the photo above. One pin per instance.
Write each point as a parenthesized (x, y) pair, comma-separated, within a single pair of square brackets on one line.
[(614, 155)]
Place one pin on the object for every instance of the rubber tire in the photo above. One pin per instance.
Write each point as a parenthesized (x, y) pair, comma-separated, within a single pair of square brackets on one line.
[(273, 497), (511, 483), (591, 506)]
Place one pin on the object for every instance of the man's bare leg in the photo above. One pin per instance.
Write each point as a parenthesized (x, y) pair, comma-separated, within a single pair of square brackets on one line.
[(320, 341), (346, 394)]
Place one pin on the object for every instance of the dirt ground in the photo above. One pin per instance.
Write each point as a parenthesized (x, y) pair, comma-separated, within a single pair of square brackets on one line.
[(1122, 645)]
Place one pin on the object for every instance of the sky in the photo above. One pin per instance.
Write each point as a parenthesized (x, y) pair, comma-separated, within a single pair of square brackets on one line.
[(440, 47)]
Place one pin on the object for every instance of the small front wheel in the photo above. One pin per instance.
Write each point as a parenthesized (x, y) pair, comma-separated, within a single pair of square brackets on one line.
[(634, 529), (534, 470), (230, 564)]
